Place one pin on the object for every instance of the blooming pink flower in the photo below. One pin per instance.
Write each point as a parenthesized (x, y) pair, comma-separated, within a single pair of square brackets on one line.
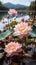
[(12, 47), (21, 29), (12, 12)]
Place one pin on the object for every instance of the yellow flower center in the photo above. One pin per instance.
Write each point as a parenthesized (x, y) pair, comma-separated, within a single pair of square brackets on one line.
[(12, 47), (21, 29)]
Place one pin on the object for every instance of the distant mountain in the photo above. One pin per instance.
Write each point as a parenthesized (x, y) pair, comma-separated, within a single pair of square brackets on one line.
[(17, 6)]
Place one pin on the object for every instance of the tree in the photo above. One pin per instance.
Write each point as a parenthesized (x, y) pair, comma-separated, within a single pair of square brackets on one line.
[(2, 7), (33, 5), (32, 8)]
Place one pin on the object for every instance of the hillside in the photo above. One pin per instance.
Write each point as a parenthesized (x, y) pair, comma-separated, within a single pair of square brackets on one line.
[(15, 6)]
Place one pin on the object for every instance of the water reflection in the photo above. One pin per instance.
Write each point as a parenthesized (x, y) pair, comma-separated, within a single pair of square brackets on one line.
[(2, 14)]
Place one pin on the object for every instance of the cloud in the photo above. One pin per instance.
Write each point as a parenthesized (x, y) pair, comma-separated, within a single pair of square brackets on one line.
[(24, 2)]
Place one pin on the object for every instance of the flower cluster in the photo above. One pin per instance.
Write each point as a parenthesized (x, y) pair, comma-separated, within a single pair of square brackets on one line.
[(20, 30)]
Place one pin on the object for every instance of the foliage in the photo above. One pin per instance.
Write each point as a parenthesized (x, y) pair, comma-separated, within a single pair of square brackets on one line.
[(29, 41), (2, 7), (32, 5)]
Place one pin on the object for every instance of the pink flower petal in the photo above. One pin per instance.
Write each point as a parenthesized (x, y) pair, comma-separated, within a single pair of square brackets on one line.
[(12, 47), (21, 29)]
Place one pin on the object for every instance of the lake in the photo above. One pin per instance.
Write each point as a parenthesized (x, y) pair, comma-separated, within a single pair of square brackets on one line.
[(3, 14)]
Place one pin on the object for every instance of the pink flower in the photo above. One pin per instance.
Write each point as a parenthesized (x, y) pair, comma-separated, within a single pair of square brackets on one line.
[(22, 19), (12, 12), (12, 47), (10, 37), (3, 21), (6, 27), (21, 29)]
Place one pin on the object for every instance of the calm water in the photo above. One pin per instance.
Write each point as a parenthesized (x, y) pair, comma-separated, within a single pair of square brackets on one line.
[(3, 14)]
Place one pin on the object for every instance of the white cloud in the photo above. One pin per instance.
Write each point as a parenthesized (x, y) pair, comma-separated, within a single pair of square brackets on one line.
[(24, 2)]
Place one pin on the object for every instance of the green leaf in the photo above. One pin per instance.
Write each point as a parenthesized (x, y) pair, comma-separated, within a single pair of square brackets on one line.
[(29, 41)]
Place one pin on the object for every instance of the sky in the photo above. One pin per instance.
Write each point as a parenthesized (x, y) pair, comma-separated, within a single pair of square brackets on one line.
[(23, 2)]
